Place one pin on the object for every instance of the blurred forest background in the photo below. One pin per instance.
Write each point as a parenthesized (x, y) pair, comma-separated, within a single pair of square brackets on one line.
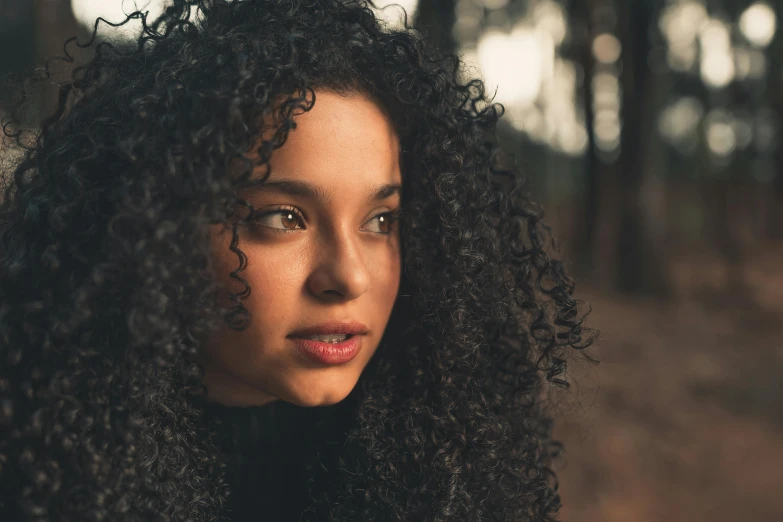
[(650, 130)]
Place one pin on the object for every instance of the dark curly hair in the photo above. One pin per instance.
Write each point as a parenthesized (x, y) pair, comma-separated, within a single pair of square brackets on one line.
[(106, 291)]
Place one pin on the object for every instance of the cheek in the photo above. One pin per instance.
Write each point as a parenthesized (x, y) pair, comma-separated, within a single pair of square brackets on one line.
[(386, 279), (276, 281)]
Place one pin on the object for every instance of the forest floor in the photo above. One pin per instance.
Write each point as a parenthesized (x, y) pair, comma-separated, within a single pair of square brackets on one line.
[(683, 418)]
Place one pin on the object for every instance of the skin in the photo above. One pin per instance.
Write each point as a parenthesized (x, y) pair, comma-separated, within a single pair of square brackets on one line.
[(335, 262)]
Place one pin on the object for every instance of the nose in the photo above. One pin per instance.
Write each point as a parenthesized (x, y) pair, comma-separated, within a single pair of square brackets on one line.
[(340, 272)]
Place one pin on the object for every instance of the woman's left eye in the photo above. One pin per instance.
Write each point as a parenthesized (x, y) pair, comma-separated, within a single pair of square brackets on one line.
[(384, 222)]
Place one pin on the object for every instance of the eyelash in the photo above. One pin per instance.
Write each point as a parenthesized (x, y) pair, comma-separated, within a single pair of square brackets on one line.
[(393, 216)]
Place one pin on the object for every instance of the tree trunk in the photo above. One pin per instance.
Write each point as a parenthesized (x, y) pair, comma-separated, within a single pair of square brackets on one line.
[(637, 269), (774, 223), (586, 222), (17, 37), (435, 18)]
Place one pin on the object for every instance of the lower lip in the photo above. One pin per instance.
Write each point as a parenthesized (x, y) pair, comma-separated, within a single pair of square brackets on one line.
[(329, 353)]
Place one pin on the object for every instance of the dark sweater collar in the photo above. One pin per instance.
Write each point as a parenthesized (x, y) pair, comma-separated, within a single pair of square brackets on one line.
[(253, 429)]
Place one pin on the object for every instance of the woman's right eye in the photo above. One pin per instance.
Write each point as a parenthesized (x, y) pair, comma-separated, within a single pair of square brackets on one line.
[(281, 220)]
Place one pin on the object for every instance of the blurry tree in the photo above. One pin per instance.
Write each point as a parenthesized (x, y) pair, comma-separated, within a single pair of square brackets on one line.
[(618, 171), (17, 44), (436, 19), (584, 27), (774, 225), (638, 266)]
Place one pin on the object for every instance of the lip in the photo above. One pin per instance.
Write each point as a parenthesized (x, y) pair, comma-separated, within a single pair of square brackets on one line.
[(329, 353), (333, 327)]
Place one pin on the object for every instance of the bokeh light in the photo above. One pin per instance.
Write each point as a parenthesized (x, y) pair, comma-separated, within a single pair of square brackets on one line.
[(87, 11), (719, 133), (115, 11), (606, 48), (391, 12), (717, 69), (525, 71), (607, 122), (758, 23), (530, 51), (717, 57), (606, 91), (679, 24), (493, 4), (679, 123), (549, 17)]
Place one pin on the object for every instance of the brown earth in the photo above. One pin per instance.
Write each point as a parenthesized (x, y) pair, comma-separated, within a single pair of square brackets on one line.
[(683, 418)]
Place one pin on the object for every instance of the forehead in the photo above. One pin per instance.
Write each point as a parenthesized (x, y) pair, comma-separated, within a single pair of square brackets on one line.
[(340, 138)]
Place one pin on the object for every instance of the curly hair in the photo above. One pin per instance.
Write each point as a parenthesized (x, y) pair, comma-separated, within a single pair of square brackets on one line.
[(106, 289)]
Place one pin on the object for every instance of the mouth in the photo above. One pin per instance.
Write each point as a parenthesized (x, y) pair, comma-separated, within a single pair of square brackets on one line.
[(328, 338), (329, 349), (332, 343)]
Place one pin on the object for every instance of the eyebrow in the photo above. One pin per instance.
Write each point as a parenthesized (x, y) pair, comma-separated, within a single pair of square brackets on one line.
[(308, 190)]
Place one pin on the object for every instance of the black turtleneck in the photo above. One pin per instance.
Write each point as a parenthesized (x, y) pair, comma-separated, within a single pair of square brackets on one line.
[(264, 449)]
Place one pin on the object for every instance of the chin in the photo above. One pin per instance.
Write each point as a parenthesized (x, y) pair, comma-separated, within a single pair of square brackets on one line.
[(319, 397)]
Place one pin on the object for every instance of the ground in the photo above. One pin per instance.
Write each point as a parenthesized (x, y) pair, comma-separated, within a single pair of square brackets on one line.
[(683, 418)]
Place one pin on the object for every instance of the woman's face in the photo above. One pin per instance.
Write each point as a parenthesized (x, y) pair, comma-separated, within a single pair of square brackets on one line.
[(321, 249)]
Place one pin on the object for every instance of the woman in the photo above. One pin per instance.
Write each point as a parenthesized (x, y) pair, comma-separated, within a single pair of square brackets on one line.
[(263, 266)]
